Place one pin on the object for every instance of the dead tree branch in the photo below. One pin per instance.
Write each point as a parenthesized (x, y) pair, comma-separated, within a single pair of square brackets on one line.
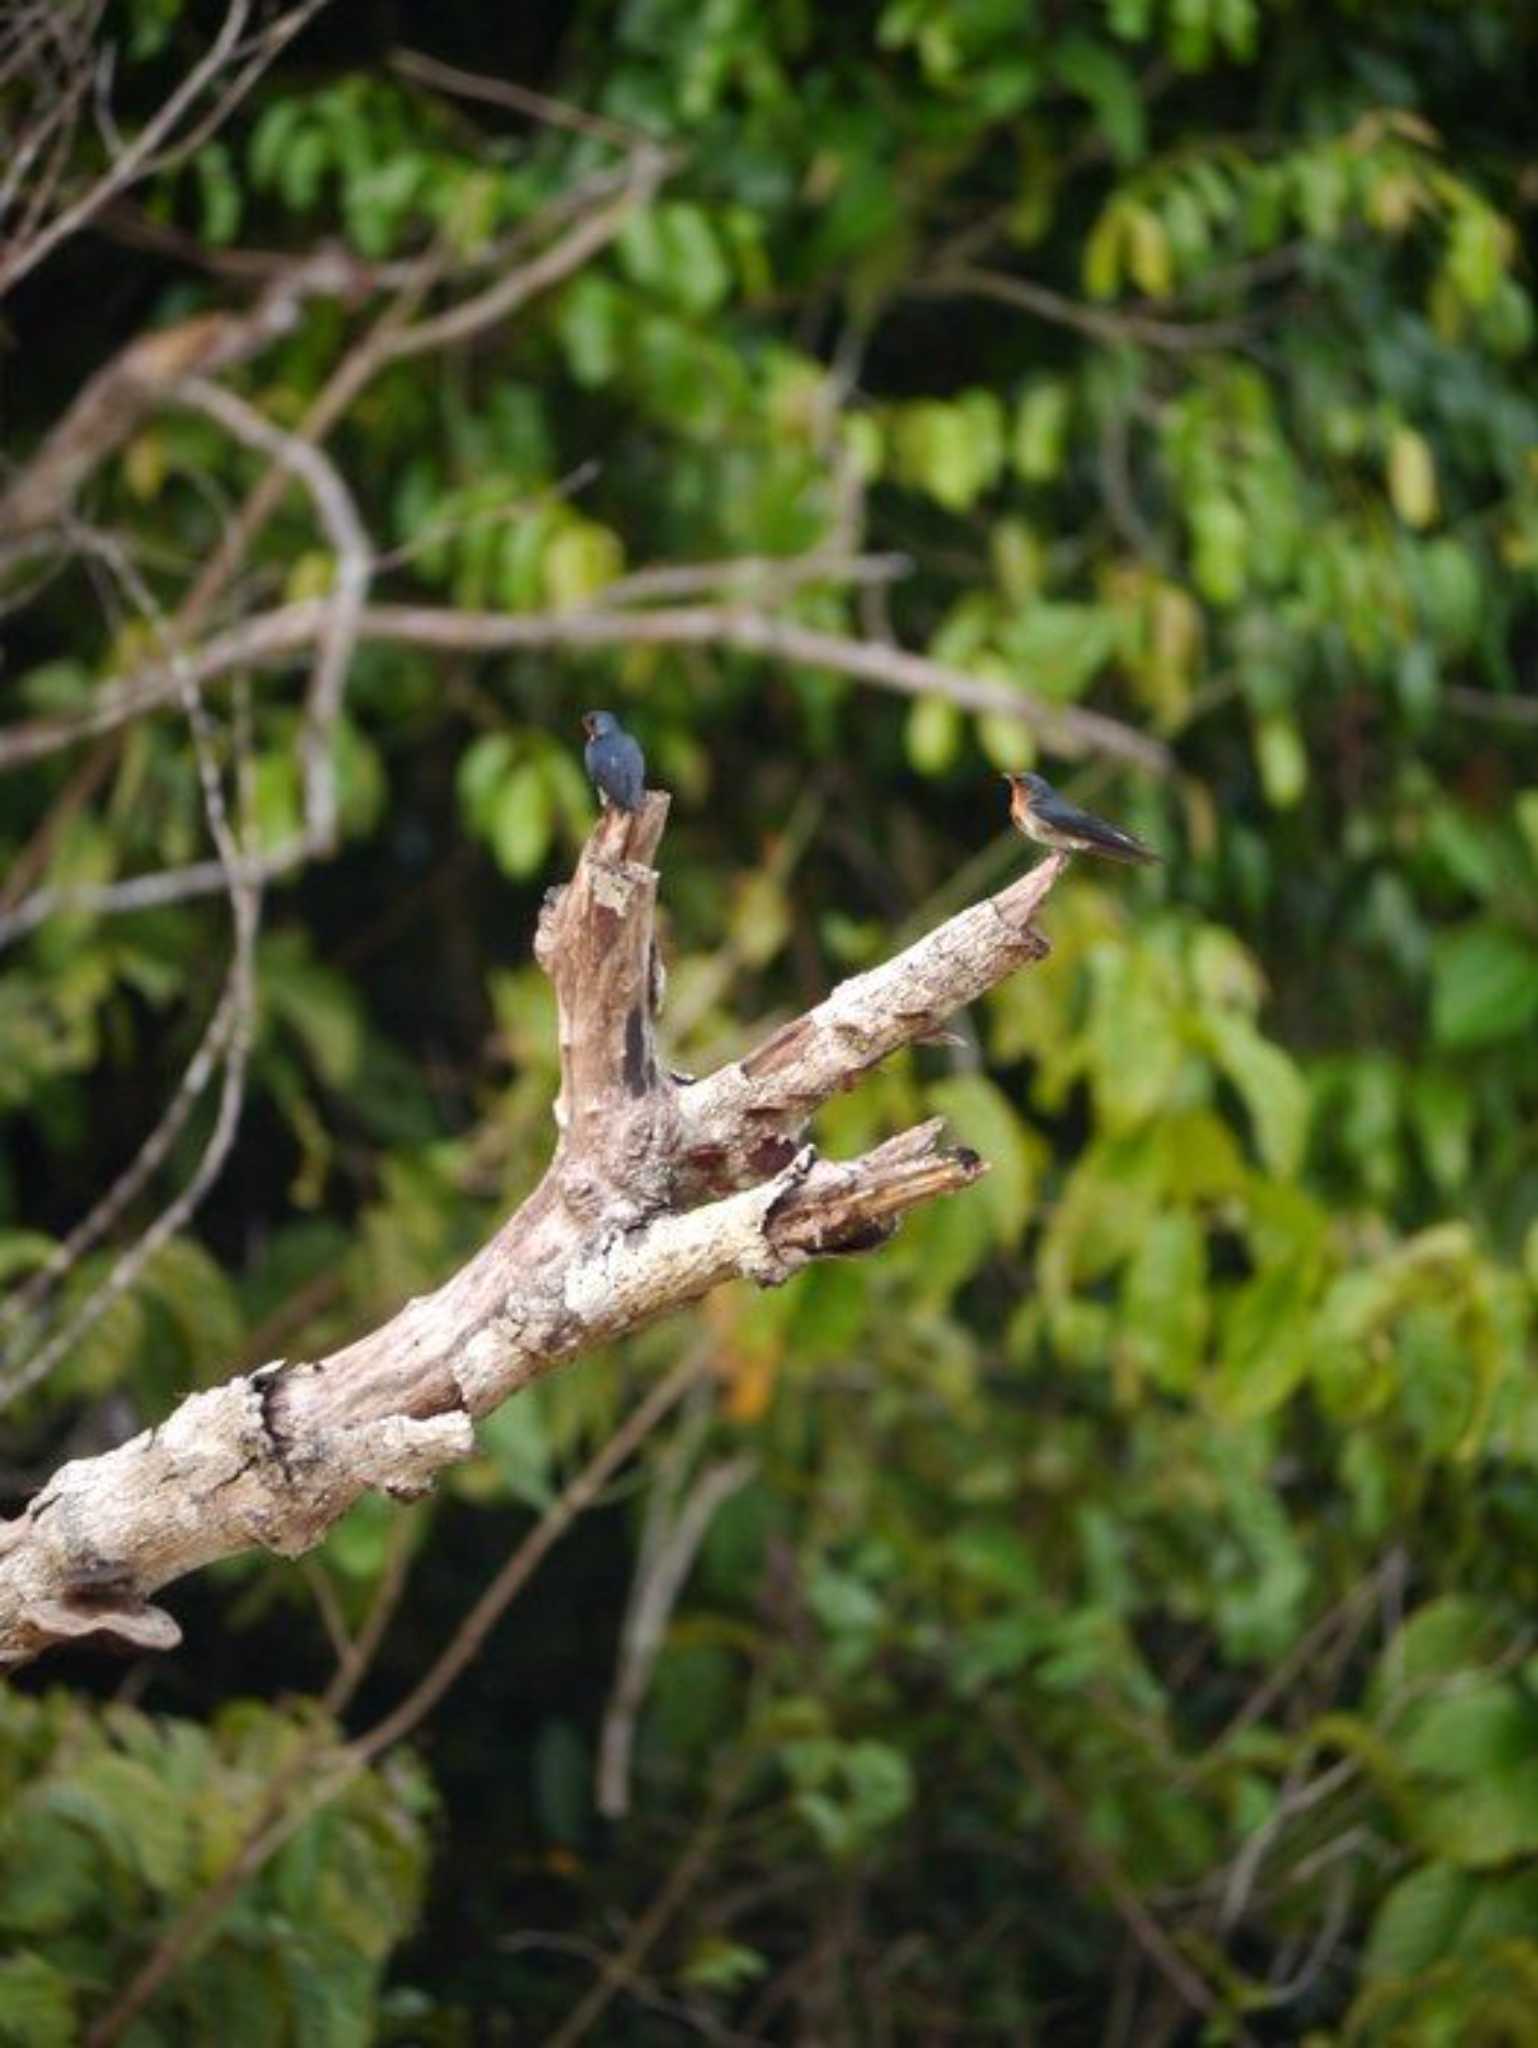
[(31, 240), (619, 1232), (136, 380), (278, 635)]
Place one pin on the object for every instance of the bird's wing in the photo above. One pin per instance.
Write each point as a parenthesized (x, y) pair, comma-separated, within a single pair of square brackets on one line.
[(633, 771), (1101, 832), (1128, 843)]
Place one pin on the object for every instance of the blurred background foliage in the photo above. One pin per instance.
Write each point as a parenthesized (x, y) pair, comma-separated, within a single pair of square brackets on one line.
[(1125, 1634)]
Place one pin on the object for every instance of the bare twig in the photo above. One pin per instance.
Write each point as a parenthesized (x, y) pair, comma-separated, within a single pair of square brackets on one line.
[(659, 1581), (354, 567), (754, 576), (278, 635), (648, 166), (25, 254), (228, 1037), (394, 338), (146, 1161), (133, 382), (515, 98), (621, 1968), (343, 609), (1097, 322), (1191, 1989), (1486, 705)]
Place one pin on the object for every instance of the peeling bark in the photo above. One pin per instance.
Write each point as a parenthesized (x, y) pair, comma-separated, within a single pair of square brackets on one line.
[(659, 1190)]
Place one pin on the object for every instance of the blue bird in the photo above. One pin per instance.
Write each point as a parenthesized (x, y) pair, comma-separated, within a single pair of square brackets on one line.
[(614, 761), (1036, 809)]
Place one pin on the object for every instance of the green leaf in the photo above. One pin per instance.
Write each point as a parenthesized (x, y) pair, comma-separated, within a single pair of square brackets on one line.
[(934, 730), (1266, 1343), (1134, 1041), (1418, 1922), (483, 768), (699, 273), (49, 1875), (951, 450), (22, 1251), (37, 2004), (1040, 437), (591, 327), (516, 1439), (197, 1297), (315, 1002), (359, 1544), (220, 193), (1477, 1756), (996, 1557), (1282, 759), (1060, 648), (1442, 1111), (881, 1785), (1484, 985), (1164, 1303), (521, 821), (983, 1117), (579, 561), (1220, 534), (1443, 1638), (1412, 477), (1272, 1089), (716, 1964)]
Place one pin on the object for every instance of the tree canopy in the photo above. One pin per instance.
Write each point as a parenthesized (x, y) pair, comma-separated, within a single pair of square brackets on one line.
[(1104, 1614)]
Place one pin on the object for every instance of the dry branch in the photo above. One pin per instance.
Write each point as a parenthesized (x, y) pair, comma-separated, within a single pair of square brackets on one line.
[(616, 1234), (138, 378), (277, 636), (157, 143)]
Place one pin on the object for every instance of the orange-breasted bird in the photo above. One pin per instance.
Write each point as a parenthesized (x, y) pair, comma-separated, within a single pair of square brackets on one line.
[(1036, 809)]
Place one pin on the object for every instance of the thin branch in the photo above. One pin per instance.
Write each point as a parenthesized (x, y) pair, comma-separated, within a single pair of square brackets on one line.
[(754, 576), (358, 1655), (666, 1563), (1192, 1990), (1486, 705), (259, 53), (394, 338), (649, 165), (141, 1168), (135, 158), (150, 892), (228, 1037), (622, 1967), (1097, 322), (517, 99), (139, 377), (470, 1637), (277, 635), (342, 610), (338, 515)]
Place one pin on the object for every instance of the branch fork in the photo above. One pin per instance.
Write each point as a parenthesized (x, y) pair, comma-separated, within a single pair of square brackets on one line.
[(660, 1189)]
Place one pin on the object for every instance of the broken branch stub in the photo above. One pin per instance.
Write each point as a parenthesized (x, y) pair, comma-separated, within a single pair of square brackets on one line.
[(657, 1192)]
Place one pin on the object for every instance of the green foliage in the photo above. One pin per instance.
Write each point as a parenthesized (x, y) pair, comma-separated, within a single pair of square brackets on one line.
[(115, 1825), (1185, 348)]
